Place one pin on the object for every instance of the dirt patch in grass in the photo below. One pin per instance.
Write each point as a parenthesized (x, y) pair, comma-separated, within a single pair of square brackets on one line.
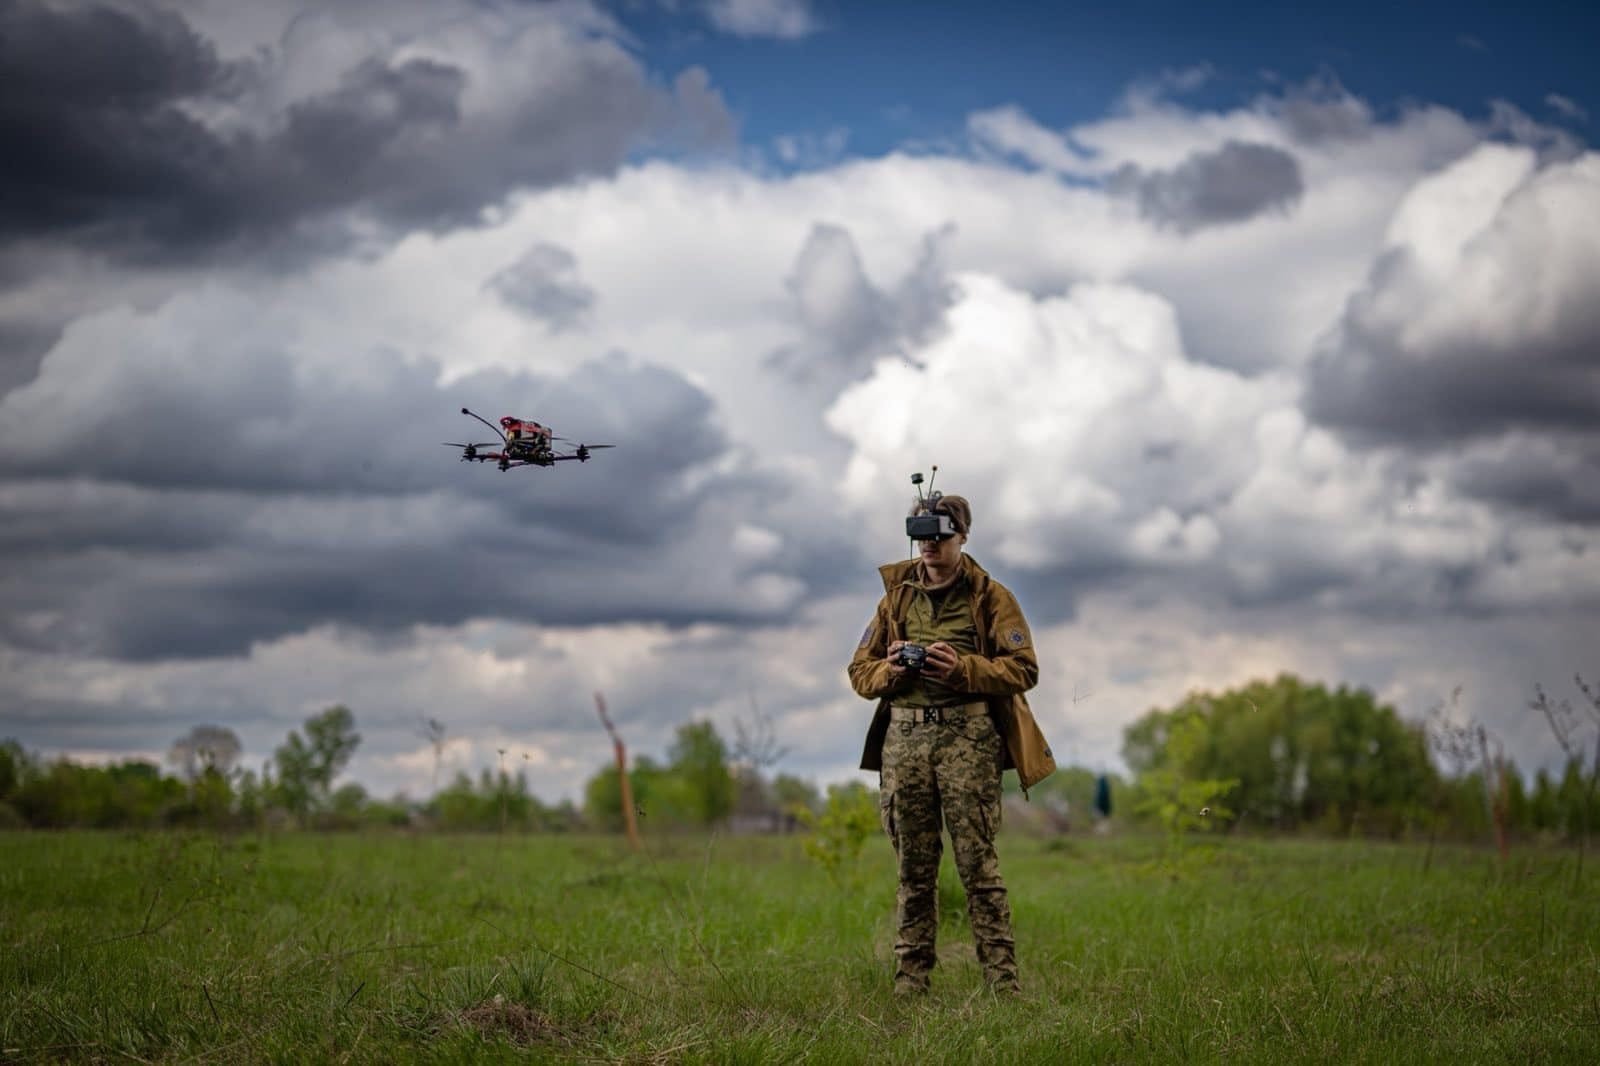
[(515, 1022)]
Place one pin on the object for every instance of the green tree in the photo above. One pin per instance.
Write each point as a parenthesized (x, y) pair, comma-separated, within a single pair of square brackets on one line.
[(660, 794), (1572, 797), (699, 760), (348, 799), (794, 794), (308, 765), (251, 799), (1174, 793), (1301, 754), (1519, 809), (205, 748), (14, 764), (1545, 809), (212, 798)]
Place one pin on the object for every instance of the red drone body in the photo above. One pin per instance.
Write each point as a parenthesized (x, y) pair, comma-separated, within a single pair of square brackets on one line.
[(523, 442)]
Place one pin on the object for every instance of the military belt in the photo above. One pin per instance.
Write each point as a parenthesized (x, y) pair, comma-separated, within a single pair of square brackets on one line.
[(950, 712)]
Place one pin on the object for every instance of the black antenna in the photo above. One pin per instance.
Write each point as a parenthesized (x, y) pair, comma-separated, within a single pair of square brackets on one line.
[(926, 502), (498, 432)]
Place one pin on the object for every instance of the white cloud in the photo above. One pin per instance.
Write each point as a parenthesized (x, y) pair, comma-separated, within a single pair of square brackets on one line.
[(1481, 312), (783, 19), (1075, 421), (1010, 130), (1567, 107)]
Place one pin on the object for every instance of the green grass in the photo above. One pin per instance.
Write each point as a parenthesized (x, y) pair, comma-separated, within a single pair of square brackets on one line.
[(392, 948)]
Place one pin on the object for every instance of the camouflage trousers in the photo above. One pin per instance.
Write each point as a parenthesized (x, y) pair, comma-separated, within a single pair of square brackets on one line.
[(950, 772)]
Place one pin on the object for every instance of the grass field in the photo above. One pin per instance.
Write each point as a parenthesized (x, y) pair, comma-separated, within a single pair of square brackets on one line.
[(393, 948)]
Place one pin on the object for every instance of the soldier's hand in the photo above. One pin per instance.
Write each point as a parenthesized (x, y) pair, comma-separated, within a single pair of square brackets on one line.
[(891, 657), (942, 661)]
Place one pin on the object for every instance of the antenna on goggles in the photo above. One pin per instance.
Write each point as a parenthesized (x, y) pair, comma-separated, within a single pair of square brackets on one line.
[(925, 503)]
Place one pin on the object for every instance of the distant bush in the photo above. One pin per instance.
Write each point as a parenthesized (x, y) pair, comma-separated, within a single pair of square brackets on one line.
[(10, 819), (848, 820)]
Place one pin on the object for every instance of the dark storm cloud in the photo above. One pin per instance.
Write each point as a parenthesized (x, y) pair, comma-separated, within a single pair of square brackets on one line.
[(1236, 182), (53, 724), (94, 143), (1557, 476), (104, 150), (1372, 385), (246, 499), (545, 283), (23, 341)]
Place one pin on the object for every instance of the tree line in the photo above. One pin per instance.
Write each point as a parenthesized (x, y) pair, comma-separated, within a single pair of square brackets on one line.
[(702, 782), (1290, 755), (1283, 755)]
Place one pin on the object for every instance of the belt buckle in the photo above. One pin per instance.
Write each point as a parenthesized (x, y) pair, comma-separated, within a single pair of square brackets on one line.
[(932, 715)]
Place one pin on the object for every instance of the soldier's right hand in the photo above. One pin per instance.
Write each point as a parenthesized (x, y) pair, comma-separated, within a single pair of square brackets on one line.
[(892, 657)]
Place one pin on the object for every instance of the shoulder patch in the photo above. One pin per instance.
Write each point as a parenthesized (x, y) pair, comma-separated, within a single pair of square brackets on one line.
[(1016, 638), (866, 636)]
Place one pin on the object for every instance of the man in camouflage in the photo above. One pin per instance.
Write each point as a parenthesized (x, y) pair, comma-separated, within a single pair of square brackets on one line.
[(942, 735)]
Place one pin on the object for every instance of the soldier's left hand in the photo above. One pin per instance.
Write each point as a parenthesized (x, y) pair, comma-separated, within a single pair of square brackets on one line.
[(942, 661)]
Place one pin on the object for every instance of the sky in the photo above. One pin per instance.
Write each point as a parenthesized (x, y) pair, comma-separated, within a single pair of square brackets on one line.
[(1259, 344)]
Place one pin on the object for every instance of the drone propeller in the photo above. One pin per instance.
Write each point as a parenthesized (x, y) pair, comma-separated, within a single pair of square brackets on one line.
[(470, 451), (584, 449)]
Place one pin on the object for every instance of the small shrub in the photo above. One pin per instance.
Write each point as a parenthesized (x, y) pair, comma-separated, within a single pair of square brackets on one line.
[(838, 834)]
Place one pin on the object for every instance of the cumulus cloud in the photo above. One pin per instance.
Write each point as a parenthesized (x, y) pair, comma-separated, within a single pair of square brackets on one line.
[(845, 319), (1321, 111), (197, 494), (1483, 312), (1011, 131), (1104, 456), (545, 283), (1094, 428), (210, 137), (783, 19), (148, 145)]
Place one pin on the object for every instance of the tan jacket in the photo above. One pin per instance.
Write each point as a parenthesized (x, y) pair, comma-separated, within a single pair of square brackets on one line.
[(1003, 668)]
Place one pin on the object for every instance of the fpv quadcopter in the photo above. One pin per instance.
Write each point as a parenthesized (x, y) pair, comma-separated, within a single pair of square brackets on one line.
[(523, 443)]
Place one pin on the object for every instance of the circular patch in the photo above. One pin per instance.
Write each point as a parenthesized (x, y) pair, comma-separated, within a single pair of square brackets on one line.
[(1015, 638)]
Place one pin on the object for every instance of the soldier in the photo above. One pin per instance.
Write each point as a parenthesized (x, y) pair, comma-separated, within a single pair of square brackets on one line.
[(943, 733)]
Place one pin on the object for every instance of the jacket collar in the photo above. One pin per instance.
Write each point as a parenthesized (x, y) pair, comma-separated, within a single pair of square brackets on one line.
[(898, 573)]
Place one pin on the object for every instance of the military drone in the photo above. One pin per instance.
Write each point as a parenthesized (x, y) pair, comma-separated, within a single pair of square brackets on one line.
[(523, 442)]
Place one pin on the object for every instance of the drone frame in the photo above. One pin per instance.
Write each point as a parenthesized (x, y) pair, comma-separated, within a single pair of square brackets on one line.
[(517, 453)]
